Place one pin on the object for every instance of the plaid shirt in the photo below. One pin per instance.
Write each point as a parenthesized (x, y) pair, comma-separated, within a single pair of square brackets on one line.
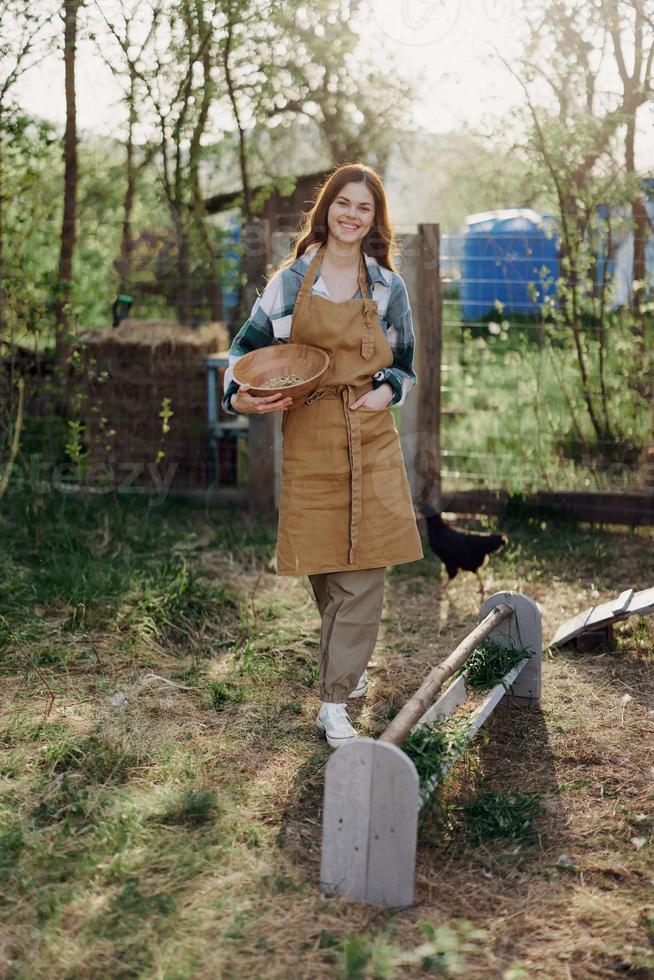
[(270, 321)]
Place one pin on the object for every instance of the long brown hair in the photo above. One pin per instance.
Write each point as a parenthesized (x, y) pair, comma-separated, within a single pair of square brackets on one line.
[(379, 242)]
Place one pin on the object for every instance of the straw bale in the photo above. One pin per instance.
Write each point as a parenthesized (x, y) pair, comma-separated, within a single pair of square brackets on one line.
[(147, 361)]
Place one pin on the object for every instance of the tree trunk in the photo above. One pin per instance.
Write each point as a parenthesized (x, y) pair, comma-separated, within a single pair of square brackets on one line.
[(639, 215), (211, 286), (3, 295), (242, 150), (126, 242), (184, 287), (67, 249)]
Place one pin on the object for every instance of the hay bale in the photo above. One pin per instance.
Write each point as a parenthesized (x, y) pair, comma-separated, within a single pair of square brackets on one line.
[(147, 361)]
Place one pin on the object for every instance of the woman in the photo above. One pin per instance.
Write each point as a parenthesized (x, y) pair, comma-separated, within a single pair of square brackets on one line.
[(345, 506)]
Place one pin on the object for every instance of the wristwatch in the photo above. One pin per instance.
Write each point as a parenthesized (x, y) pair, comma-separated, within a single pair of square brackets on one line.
[(379, 377)]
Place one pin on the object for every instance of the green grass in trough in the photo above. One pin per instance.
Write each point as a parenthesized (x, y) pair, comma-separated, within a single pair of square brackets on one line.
[(489, 664), (434, 747)]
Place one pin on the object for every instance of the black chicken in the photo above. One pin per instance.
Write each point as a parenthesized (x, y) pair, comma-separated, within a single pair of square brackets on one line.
[(463, 550)]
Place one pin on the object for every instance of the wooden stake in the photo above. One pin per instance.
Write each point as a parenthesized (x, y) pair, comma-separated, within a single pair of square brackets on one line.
[(429, 342)]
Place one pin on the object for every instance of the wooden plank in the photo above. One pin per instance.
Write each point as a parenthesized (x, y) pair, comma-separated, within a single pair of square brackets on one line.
[(257, 253), (447, 703), (622, 602), (408, 427), (634, 508), (370, 820), (280, 246), (642, 603), (571, 628), (394, 807), (346, 820), (264, 440), (495, 695), (264, 450), (599, 617)]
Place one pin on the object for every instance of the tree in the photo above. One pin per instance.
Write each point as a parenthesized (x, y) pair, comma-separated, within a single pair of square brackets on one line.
[(571, 139), (630, 24), (69, 14), (132, 24), (317, 67), (179, 90), (25, 38)]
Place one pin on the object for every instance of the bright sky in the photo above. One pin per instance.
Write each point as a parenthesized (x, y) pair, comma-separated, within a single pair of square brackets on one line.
[(450, 41)]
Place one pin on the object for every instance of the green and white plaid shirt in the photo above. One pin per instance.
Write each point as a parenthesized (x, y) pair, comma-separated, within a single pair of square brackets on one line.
[(270, 321)]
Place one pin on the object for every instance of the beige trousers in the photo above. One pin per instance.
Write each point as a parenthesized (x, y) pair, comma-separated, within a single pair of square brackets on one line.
[(350, 606)]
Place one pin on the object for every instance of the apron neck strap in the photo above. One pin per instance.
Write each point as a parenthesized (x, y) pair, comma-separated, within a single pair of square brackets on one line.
[(310, 275)]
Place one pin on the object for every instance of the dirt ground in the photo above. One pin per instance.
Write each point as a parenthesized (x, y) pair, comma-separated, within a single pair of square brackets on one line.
[(577, 902)]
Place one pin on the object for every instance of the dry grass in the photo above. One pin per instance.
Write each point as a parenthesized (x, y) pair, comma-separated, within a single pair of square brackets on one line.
[(187, 839)]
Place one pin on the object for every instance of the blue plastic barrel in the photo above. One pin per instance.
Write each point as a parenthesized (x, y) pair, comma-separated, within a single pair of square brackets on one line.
[(503, 252), (230, 287)]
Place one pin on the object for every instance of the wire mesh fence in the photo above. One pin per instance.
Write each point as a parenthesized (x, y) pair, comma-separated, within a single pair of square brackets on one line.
[(518, 413), (528, 402)]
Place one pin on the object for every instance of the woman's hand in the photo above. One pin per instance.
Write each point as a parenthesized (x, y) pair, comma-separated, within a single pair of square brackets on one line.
[(247, 404), (377, 398)]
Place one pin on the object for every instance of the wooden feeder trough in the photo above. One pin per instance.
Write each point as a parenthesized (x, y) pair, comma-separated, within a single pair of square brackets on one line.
[(593, 627), (372, 798)]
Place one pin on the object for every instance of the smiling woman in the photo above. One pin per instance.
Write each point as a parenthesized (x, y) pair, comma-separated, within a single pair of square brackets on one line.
[(350, 218), (345, 506)]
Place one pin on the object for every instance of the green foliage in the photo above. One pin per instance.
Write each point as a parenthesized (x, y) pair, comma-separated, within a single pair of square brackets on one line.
[(434, 747), (220, 694), (117, 573), (12, 845), (445, 948), (135, 902), (489, 663), (74, 448), (191, 808), (503, 816), (97, 759), (444, 952), (170, 601), (169, 837), (517, 410)]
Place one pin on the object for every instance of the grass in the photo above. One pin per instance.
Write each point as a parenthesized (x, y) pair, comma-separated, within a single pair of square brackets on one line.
[(512, 426), (505, 816), (191, 808), (161, 777), (434, 747), (489, 663)]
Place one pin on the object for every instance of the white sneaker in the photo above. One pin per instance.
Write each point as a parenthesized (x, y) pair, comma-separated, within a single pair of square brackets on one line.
[(333, 721), (362, 687)]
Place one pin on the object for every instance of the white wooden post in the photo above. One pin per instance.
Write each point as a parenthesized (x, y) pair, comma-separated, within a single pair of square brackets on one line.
[(523, 631), (370, 824)]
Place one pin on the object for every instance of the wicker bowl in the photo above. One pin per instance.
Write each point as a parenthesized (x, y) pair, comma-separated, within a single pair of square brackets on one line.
[(280, 360)]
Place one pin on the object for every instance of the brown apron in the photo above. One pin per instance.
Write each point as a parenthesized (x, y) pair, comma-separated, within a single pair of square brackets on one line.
[(345, 502)]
